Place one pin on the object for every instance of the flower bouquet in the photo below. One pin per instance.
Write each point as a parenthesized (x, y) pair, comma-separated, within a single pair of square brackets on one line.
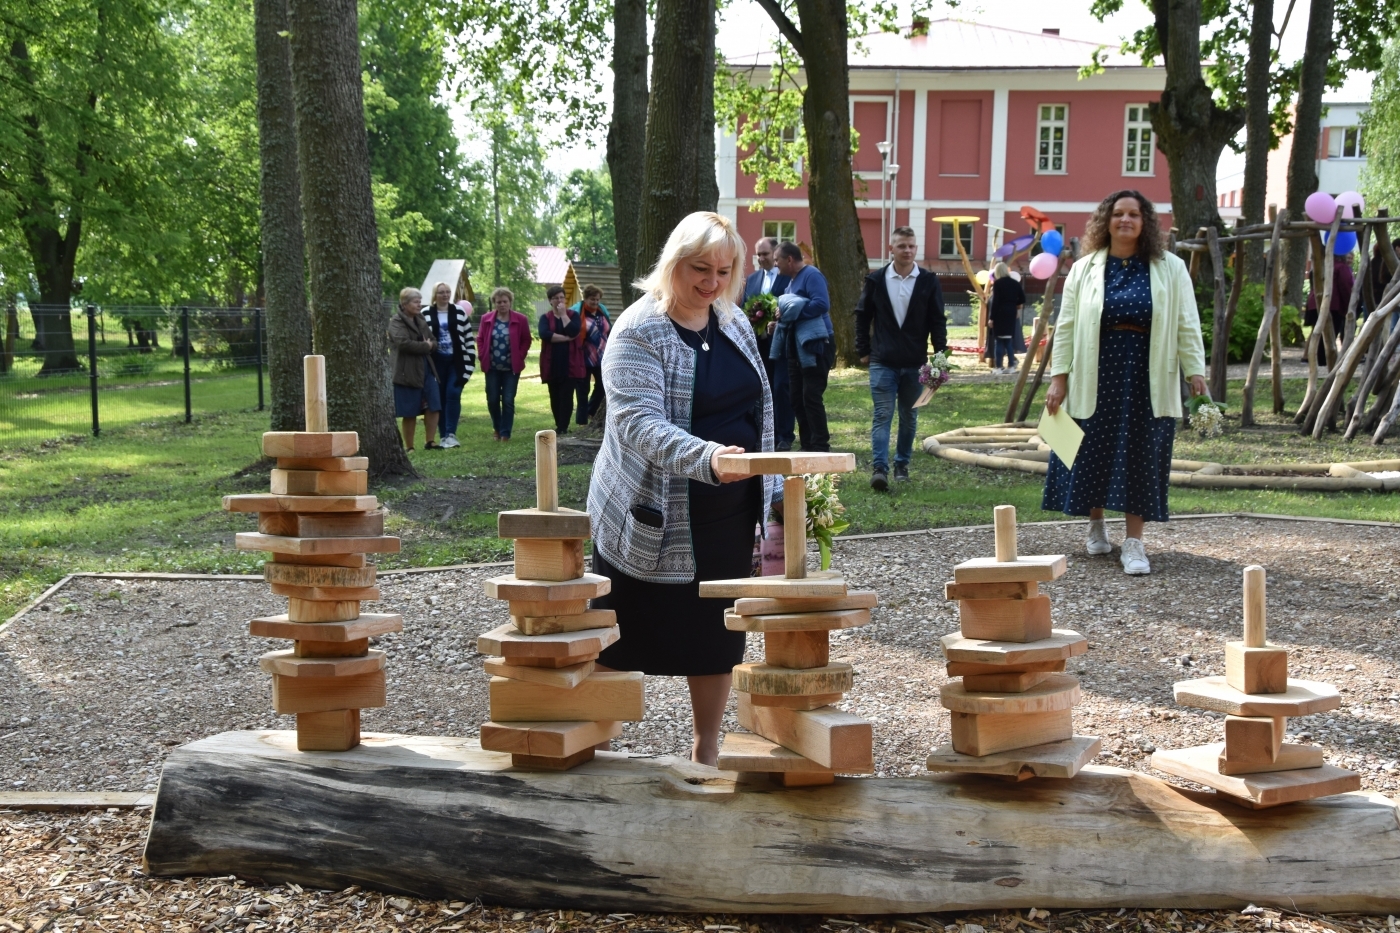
[(824, 510), (1205, 416), (932, 375), (761, 310)]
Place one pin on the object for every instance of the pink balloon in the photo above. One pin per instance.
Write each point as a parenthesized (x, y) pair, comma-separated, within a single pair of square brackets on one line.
[(1321, 207), (1352, 204), (1044, 265)]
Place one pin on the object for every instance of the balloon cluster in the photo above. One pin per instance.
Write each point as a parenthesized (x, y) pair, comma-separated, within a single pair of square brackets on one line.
[(1321, 208), (1052, 243)]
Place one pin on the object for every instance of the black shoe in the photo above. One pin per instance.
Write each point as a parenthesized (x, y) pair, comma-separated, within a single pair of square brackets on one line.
[(901, 473), (782, 446), (879, 481), (433, 445)]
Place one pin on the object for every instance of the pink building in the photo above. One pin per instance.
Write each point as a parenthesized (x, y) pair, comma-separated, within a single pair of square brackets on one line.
[(979, 121)]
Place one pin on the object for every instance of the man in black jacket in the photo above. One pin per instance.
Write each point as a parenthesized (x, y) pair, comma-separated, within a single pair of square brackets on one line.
[(900, 310)]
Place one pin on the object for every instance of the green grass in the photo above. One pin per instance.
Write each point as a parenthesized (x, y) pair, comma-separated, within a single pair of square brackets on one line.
[(146, 496)]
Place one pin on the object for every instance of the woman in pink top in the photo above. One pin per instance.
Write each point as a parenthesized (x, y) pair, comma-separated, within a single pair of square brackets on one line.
[(503, 340)]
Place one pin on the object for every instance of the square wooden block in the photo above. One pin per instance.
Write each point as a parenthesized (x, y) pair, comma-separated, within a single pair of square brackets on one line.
[(798, 650), (604, 695), (979, 734), (310, 648), (1253, 740), (336, 730), (1012, 682), (554, 624), (310, 443), (322, 694), (1018, 620), (1015, 589), (549, 558), (532, 523), (546, 739), (831, 737), (542, 608), (1256, 670), (319, 483), (744, 751)]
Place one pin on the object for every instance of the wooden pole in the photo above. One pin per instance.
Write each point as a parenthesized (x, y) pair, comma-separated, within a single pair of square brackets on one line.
[(1029, 398), (1271, 270), (1322, 334), (1220, 339), (1254, 624), (794, 527), (314, 378), (1342, 374), (546, 472), (1004, 517)]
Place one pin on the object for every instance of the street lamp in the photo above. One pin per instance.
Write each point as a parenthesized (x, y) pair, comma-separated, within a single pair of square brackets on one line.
[(884, 147), (894, 192)]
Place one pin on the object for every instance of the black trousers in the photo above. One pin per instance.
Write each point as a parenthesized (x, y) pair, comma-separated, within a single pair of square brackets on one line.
[(807, 386), (561, 401)]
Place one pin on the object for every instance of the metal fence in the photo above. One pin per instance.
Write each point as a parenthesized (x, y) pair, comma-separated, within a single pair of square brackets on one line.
[(66, 371)]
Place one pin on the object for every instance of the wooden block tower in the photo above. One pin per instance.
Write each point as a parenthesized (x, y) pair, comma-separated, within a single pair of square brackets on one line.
[(1011, 707), (1254, 767), (318, 524), (797, 736), (549, 707)]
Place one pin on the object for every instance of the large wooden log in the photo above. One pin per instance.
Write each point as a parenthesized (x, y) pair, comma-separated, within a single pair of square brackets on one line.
[(440, 818)]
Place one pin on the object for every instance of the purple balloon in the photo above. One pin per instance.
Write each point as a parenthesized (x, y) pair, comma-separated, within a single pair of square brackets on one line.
[(1320, 207)]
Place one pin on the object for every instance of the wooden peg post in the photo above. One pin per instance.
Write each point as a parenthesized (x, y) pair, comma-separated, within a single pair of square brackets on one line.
[(795, 528), (546, 472), (1004, 517), (314, 378), (1254, 623)]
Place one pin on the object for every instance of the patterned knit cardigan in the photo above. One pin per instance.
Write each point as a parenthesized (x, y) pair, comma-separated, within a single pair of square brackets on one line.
[(648, 452)]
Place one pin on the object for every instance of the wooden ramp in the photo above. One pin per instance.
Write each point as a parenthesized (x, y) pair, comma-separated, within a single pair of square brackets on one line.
[(439, 817)]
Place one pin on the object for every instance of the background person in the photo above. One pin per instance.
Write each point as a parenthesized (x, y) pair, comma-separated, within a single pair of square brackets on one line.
[(685, 385), (506, 333), (899, 312), (596, 326), (411, 345), (799, 339), (454, 356), (1008, 298), (767, 280), (1128, 328), (1343, 281), (561, 357)]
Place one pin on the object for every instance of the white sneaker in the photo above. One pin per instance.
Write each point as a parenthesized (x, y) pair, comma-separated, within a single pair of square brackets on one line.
[(1135, 557), (1098, 538), (451, 441)]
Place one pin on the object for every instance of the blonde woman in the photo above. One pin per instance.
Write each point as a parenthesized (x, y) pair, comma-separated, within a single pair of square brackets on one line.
[(685, 384), (1008, 299)]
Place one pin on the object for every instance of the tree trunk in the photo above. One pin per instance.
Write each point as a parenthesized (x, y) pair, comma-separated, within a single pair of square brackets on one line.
[(627, 133), (1191, 129), (1307, 126), (679, 172), (837, 245), (342, 239), (1258, 132), (283, 248)]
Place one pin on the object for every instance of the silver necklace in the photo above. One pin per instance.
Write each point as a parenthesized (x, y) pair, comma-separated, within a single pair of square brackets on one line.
[(703, 334)]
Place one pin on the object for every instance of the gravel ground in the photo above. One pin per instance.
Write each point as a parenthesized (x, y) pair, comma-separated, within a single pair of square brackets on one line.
[(102, 678)]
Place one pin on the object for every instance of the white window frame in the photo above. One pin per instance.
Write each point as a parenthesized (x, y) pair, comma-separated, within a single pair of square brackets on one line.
[(1142, 125), (1338, 134), (1050, 123), (778, 226), (952, 253)]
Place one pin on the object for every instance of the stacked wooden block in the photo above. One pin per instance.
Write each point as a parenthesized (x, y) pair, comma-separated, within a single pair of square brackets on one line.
[(549, 708), (1254, 766), (1011, 707), (797, 736), (318, 524)]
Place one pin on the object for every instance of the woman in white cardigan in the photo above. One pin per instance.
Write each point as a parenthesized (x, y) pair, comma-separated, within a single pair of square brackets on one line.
[(1128, 329)]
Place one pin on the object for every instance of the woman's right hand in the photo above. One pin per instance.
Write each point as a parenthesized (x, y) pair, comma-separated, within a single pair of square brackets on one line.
[(726, 477), (1055, 394)]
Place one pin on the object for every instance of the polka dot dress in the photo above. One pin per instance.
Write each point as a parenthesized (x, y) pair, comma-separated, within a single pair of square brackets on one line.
[(1124, 462)]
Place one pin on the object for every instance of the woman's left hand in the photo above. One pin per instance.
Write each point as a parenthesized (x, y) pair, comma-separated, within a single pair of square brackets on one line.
[(1198, 385)]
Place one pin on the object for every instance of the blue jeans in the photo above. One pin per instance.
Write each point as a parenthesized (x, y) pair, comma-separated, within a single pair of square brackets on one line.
[(500, 399), (451, 391), (889, 385), (1005, 346)]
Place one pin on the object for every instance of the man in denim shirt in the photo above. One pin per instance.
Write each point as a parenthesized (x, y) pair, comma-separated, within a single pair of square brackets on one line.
[(807, 383)]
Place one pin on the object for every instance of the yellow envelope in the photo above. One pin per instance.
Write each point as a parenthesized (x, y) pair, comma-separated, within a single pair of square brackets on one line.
[(1062, 434)]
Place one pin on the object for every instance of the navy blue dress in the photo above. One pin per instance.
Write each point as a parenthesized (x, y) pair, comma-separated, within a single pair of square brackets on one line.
[(1124, 463)]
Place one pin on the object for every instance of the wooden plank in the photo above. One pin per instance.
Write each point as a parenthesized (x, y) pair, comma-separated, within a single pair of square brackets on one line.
[(979, 734), (567, 677), (302, 575), (782, 681), (761, 606), (546, 739), (1271, 789), (1063, 759), (1025, 569), (813, 701), (1003, 682), (507, 641), (263, 502), (310, 443), (327, 464), (797, 621), (784, 463), (1303, 698), (318, 483), (1018, 620), (336, 730), (1061, 644), (797, 650), (532, 523), (56, 801), (320, 560), (549, 625), (972, 668), (831, 737), (744, 751), (697, 842), (287, 663), (321, 694), (773, 587), (1056, 692), (322, 524), (562, 661), (368, 625), (603, 695), (316, 610), (1290, 757), (1012, 589), (252, 541), (327, 593), (549, 558), (588, 586), (1262, 669)]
